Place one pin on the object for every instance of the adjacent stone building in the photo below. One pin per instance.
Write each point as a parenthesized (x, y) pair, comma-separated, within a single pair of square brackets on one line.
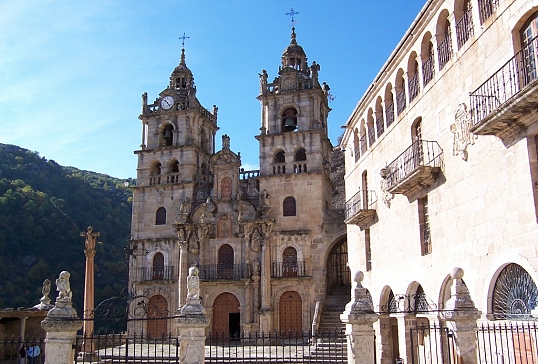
[(442, 171), (269, 243)]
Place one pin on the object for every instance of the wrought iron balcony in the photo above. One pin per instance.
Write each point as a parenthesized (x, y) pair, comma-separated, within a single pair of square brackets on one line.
[(415, 169), (289, 269), (219, 272), (499, 105), (360, 209), (156, 273)]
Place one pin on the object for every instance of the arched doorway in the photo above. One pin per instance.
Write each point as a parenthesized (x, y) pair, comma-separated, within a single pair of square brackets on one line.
[(338, 274), (157, 313), (291, 312), (226, 316)]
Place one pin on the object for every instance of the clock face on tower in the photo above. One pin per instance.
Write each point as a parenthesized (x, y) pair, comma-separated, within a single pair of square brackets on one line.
[(167, 102)]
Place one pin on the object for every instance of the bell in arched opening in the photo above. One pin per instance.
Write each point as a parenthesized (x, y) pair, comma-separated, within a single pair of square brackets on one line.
[(168, 136), (290, 120)]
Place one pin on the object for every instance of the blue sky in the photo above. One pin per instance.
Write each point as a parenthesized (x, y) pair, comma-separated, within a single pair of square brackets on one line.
[(72, 72)]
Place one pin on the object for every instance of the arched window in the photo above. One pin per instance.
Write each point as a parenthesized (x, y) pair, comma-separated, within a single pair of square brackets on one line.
[(173, 167), (464, 21), (168, 135), (160, 216), (486, 8), (158, 267), (300, 154), (371, 128), (379, 121), (528, 33), (289, 120), (515, 294), (428, 59), (280, 157), (356, 145), (413, 79), (401, 101), (289, 206), (420, 303), (156, 169), (225, 268), (444, 39), (389, 105), (289, 262)]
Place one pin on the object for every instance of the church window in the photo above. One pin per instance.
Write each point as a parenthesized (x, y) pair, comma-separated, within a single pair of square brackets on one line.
[(225, 267), (515, 294), (280, 157), (444, 48), (300, 155), (289, 265), (289, 206), (486, 8), (155, 174), (158, 267), (174, 166), (289, 120), (156, 169), (424, 225), (167, 135), (160, 216)]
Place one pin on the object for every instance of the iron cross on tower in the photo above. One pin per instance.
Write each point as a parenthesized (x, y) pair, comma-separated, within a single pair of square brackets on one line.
[(183, 40), (292, 13)]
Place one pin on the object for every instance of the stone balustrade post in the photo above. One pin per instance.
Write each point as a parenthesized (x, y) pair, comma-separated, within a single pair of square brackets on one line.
[(61, 325), (359, 317), (192, 322), (461, 311)]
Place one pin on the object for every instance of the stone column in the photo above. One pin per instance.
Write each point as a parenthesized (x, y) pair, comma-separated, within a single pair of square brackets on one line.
[(359, 318), (89, 252), (265, 310), (192, 322), (183, 246), (61, 325), (461, 311)]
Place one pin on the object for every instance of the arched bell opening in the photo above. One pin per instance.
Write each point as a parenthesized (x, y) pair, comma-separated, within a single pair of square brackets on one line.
[(168, 136), (289, 120)]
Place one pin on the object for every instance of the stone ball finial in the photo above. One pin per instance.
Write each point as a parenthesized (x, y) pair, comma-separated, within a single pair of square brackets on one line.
[(359, 276), (457, 273)]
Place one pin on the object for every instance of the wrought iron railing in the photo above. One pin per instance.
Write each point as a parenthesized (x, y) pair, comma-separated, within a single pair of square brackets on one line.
[(380, 125), (504, 84), (389, 111), (163, 273), (215, 272), (364, 146), (428, 70), (414, 87), (433, 343), (362, 200), (357, 151), (244, 175), (22, 350), (400, 101), (371, 136), (445, 51), (507, 342), (289, 269), (487, 8), (420, 153), (465, 28)]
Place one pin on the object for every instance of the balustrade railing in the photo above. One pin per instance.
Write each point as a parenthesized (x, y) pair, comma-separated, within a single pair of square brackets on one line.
[(300, 168), (414, 87), (279, 168), (420, 153), (215, 272), (445, 51), (244, 175), (390, 114), (157, 273), (487, 8), (400, 101), (288, 269), (428, 70), (504, 84), (362, 200), (380, 125), (465, 28)]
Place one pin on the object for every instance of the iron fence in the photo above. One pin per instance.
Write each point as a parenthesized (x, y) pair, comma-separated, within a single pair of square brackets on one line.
[(507, 342), (465, 28), (17, 350), (414, 87), (504, 84), (400, 101), (362, 142), (445, 51), (156, 273), (380, 125), (371, 136), (486, 9), (432, 343), (362, 200), (120, 348), (213, 272), (428, 70), (420, 153), (278, 347), (289, 269), (390, 114)]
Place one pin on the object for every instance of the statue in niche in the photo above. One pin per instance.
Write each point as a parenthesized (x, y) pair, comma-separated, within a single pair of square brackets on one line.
[(63, 286), (256, 241), (256, 267), (224, 227), (194, 246), (185, 207), (226, 191), (461, 129)]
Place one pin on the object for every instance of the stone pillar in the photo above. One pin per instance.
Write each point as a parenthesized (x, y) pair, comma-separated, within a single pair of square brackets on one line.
[(461, 311), (359, 318), (22, 328), (265, 310), (61, 325), (183, 245), (89, 252), (192, 322)]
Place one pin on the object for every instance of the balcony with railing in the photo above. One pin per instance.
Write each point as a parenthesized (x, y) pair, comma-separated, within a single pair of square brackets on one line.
[(400, 101), (499, 105), (414, 87), (156, 273), (415, 169), (380, 125), (289, 270), (361, 209), (390, 114), (224, 272), (428, 70), (364, 146), (465, 28), (445, 51), (486, 8)]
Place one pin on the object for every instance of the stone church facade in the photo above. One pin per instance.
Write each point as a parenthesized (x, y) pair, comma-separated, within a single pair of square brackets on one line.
[(268, 243), (442, 171)]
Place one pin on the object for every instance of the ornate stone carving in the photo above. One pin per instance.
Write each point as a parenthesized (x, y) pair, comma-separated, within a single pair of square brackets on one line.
[(192, 305), (63, 287), (461, 128), (386, 196)]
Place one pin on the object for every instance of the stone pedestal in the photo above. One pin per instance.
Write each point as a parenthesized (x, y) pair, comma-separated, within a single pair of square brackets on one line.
[(461, 311), (61, 325), (359, 318), (192, 338)]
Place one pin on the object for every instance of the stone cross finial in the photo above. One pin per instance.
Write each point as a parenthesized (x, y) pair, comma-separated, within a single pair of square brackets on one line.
[(90, 241)]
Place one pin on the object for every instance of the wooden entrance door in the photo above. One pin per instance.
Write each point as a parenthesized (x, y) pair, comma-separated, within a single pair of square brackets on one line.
[(157, 313), (226, 318), (291, 312)]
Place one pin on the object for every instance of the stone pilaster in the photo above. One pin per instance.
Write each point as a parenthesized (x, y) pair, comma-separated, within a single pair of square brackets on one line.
[(359, 317), (61, 325), (183, 246), (461, 311)]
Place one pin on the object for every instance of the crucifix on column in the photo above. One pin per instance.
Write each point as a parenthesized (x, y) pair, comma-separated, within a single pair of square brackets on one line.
[(89, 251)]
